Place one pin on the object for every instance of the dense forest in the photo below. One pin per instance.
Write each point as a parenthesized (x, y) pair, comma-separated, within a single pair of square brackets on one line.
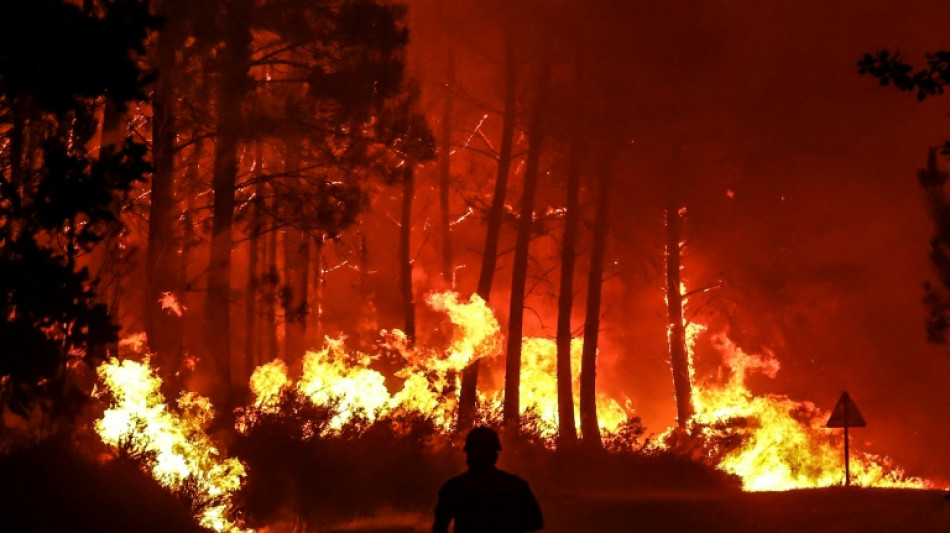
[(237, 169), (334, 227)]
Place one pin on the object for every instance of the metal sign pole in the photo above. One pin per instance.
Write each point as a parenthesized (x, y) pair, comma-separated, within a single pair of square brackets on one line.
[(847, 460), (846, 415), (847, 456)]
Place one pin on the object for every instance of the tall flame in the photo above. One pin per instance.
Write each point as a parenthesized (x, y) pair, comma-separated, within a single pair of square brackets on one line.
[(178, 452), (782, 443), (770, 441), (333, 376), (539, 388)]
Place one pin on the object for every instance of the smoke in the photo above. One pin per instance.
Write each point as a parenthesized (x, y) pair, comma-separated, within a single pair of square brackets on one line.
[(804, 214)]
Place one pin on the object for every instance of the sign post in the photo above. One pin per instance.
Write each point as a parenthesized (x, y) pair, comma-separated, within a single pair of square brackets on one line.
[(846, 415)]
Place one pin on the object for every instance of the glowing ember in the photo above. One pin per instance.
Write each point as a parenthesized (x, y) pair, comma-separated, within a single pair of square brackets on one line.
[(174, 446), (170, 303)]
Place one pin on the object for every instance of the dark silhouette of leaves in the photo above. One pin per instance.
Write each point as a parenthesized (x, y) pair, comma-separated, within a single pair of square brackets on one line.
[(57, 195)]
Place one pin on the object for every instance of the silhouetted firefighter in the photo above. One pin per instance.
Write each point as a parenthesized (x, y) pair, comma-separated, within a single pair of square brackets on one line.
[(484, 498)]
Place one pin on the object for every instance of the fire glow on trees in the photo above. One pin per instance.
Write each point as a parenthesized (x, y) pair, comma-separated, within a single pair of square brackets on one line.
[(271, 152), (783, 443), (770, 442), (345, 380)]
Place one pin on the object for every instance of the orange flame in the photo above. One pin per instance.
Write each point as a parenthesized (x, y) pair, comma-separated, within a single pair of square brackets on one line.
[(345, 380), (175, 446), (783, 444)]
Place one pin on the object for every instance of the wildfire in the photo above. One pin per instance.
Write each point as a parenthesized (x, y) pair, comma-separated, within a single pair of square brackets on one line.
[(346, 381), (333, 375), (539, 388), (174, 445), (771, 442), (782, 443)]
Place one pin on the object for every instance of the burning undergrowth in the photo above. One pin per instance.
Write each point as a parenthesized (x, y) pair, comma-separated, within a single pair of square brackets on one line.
[(332, 437), (770, 441), (171, 444), (428, 379)]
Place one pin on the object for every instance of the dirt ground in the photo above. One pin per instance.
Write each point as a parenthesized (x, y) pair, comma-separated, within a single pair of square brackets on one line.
[(833, 510)]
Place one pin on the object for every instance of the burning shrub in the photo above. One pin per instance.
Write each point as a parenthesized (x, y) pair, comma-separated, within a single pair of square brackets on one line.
[(172, 446), (349, 380), (770, 441), (626, 439)]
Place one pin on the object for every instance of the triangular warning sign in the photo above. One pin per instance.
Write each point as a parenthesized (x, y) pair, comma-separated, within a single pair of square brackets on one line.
[(846, 414)]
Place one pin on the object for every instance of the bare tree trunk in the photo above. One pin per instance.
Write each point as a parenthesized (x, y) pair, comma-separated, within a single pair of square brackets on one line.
[(590, 429), (679, 356), (405, 259), (233, 83), (467, 396), (295, 287), (303, 287), (17, 140), (367, 326), (315, 316), (567, 430), (271, 282), (162, 327), (188, 233), (445, 167), (296, 290), (112, 256), (289, 243), (251, 356), (519, 269), (112, 265)]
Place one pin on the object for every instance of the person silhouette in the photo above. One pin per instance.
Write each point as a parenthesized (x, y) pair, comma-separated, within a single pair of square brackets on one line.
[(485, 499)]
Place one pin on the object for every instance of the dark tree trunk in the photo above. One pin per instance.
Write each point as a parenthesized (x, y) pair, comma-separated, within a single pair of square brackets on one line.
[(251, 333), (567, 430), (405, 259), (679, 356), (467, 395), (590, 428), (187, 226), (296, 291), (445, 168), (302, 312), (232, 86), (367, 327), (315, 316), (162, 327), (289, 243), (113, 260), (519, 269), (17, 141), (112, 131), (271, 282)]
